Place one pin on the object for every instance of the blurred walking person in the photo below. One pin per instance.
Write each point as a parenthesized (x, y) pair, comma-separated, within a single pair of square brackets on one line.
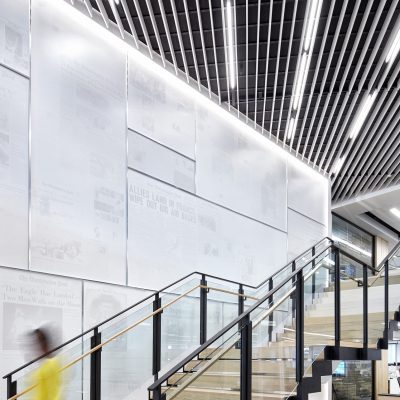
[(47, 378)]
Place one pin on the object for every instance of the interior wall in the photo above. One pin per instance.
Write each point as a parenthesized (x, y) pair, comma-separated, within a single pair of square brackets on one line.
[(110, 172)]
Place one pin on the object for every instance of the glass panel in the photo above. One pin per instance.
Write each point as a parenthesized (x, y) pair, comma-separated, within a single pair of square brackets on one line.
[(215, 372), (274, 350), (319, 316), (180, 328), (376, 308), (222, 305), (127, 360), (69, 380), (351, 301)]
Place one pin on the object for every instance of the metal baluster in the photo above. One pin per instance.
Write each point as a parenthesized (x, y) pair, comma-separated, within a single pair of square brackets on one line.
[(203, 309), (337, 299), (156, 336), (95, 366), (246, 359)]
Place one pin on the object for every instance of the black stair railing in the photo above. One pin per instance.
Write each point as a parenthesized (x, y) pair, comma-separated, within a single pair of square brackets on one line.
[(244, 322), (95, 332)]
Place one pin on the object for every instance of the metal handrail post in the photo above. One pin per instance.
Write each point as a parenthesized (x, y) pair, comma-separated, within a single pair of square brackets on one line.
[(156, 336), (337, 299), (299, 327), (386, 313), (365, 309), (203, 310), (95, 366), (246, 359)]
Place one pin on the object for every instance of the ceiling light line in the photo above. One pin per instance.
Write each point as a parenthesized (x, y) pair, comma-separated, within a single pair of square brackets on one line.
[(189, 26), (338, 190), (362, 114), (143, 26), (378, 124), (247, 61), (179, 32), (313, 10), (339, 164), (236, 62), (394, 49), (379, 137), (343, 79), (364, 76), (291, 127), (271, 5), (168, 34), (226, 54), (103, 13), (203, 47), (278, 59), (130, 22), (311, 25), (231, 57), (215, 50), (325, 76), (310, 97), (287, 67), (257, 55), (395, 211)]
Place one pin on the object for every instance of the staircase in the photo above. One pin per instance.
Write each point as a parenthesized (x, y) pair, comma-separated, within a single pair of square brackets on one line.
[(215, 373), (287, 332)]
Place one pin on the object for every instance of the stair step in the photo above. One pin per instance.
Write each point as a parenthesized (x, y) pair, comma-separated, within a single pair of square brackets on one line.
[(215, 394), (231, 381), (258, 366)]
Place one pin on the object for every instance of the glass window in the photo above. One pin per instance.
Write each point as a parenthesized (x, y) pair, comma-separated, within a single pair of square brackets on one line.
[(353, 240)]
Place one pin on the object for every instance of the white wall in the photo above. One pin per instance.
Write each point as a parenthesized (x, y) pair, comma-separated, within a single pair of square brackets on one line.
[(111, 172)]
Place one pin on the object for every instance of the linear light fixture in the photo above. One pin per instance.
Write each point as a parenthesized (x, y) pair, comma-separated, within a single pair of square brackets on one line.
[(394, 49), (232, 69), (338, 165), (312, 23), (291, 128), (395, 211), (179, 84), (300, 81), (362, 115), (352, 246)]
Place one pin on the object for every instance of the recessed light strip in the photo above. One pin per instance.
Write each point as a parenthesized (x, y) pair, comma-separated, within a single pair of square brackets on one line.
[(362, 115), (311, 24), (232, 69), (395, 211), (394, 49)]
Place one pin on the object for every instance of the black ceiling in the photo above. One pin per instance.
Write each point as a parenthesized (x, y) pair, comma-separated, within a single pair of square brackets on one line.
[(347, 63)]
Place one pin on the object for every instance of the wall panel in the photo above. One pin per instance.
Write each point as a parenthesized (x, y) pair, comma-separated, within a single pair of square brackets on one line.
[(308, 191), (172, 233), (237, 169), (14, 95), (28, 301), (78, 149), (303, 233), (14, 35), (156, 160), (159, 110)]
